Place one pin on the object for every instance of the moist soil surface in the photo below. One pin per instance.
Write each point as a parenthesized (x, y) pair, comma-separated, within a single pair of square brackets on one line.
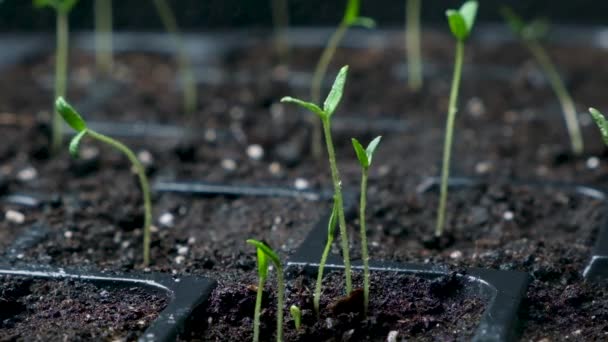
[(67, 310), (415, 307), (507, 128)]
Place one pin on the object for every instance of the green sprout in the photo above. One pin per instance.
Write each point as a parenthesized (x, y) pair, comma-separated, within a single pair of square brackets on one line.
[(602, 124), (75, 120), (365, 156), (412, 43), (329, 107), (185, 68), (351, 18), (461, 23), (331, 233), (63, 8), (296, 314), (103, 36), (280, 17), (266, 254), (531, 33)]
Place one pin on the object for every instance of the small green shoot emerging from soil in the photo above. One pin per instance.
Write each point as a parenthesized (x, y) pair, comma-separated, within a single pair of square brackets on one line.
[(266, 254), (531, 33), (412, 43), (600, 121), (365, 156), (351, 18), (185, 67), (280, 17), (63, 8), (296, 314), (329, 107), (331, 233), (461, 23), (75, 120), (103, 36)]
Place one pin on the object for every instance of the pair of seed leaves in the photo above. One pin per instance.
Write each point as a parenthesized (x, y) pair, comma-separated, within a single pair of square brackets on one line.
[(534, 30), (352, 18), (74, 120), (462, 20), (59, 5), (265, 255)]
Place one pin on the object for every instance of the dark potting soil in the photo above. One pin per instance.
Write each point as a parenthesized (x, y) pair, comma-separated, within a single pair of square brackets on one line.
[(413, 307), (68, 310)]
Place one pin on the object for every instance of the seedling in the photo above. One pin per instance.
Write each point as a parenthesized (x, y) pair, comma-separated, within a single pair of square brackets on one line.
[(280, 17), (103, 36), (365, 156), (296, 315), (265, 255), (531, 33), (461, 23), (351, 18), (185, 68), (331, 233), (329, 107), (75, 120), (600, 121), (412, 43), (62, 8)]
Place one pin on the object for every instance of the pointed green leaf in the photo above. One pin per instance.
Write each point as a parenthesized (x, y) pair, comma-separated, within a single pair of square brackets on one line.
[(307, 105), (352, 11), (468, 11), (600, 121), (457, 24), (335, 95), (262, 264), (361, 154), (371, 149), (70, 115), (364, 22), (274, 257), (333, 222), (75, 143)]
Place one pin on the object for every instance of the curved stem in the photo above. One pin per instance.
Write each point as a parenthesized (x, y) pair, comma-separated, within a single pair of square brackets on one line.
[(143, 182), (61, 75), (339, 202), (566, 102), (188, 82), (258, 310), (317, 84), (412, 42), (449, 135), (103, 35), (319, 283), (364, 252)]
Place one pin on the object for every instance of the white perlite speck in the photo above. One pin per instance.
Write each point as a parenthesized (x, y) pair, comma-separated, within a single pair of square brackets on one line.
[(508, 215), (301, 184), (392, 336), (255, 152), (228, 164), (14, 216), (27, 174), (592, 163), (166, 219)]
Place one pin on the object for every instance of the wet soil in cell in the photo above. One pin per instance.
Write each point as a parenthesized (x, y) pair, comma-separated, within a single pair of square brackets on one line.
[(414, 307), (68, 310)]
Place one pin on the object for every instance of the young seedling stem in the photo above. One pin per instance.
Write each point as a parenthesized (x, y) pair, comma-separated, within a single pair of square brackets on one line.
[(325, 114), (602, 124), (461, 23), (412, 43), (351, 18), (530, 34), (280, 16), (365, 156), (103, 36), (267, 254), (185, 67), (296, 314), (75, 120), (331, 233)]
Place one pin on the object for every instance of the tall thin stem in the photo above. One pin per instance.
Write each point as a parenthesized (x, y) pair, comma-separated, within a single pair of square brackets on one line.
[(363, 231), (317, 84), (61, 75), (143, 182), (339, 202), (280, 300), (258, 309), (319, 283), (449, 135), (103, 36), (566, 102), (280, 17), (187, 77), (412, 42)]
